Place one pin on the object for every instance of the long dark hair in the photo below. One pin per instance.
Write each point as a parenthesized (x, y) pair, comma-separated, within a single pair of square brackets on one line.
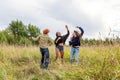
[(77, 33)]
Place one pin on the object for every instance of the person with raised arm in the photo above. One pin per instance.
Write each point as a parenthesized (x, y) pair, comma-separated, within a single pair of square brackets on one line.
[(59, 43), (75, 44)]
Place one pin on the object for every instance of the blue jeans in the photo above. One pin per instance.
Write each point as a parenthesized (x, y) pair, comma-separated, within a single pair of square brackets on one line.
[(74, 52), (45, 57)]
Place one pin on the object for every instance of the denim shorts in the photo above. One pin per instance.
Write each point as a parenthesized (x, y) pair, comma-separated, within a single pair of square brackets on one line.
[(60, 48)]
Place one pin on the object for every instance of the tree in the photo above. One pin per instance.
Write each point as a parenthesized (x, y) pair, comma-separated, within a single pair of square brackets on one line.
[(10, 37), (18, 28), (3, 38), (33, 30), (17, 33)]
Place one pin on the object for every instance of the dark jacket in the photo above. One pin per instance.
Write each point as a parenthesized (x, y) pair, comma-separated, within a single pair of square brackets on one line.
[(75, 41), (62, 39)]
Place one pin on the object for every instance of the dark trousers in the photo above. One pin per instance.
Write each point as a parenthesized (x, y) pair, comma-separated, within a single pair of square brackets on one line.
[(45, 57)]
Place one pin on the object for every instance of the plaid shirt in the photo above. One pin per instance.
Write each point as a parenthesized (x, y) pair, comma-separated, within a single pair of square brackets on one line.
[(44, 40)]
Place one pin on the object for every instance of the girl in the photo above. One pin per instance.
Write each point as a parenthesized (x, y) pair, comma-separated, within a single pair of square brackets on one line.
[(59, 43), (75, 44)]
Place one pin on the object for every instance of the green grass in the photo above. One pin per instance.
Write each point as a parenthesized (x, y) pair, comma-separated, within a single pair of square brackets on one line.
[(96, 63)]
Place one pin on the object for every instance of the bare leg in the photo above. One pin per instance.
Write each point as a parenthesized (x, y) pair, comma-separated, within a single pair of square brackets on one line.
[(62, 56), (57, 54)]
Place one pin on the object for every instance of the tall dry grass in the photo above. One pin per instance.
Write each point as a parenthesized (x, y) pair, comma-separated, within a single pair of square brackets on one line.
[(96, 63)]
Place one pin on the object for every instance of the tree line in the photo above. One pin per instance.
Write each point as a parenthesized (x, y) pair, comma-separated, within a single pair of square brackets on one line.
[(17, 33), (105, 42)]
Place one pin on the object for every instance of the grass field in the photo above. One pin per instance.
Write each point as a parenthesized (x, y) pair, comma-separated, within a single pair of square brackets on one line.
[(96, 63)]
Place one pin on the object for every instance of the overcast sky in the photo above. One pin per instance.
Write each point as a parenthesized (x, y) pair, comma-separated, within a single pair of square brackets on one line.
[(93, 16)]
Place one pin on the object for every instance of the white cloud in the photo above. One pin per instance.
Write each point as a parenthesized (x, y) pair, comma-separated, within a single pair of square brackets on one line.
[(93, 15)]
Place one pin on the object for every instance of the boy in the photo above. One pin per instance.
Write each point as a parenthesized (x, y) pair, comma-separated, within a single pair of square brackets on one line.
[(44, 42)]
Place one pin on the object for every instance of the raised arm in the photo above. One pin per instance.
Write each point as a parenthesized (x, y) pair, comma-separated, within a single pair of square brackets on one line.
[(66, 35), (67, 30), (82, 31)]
